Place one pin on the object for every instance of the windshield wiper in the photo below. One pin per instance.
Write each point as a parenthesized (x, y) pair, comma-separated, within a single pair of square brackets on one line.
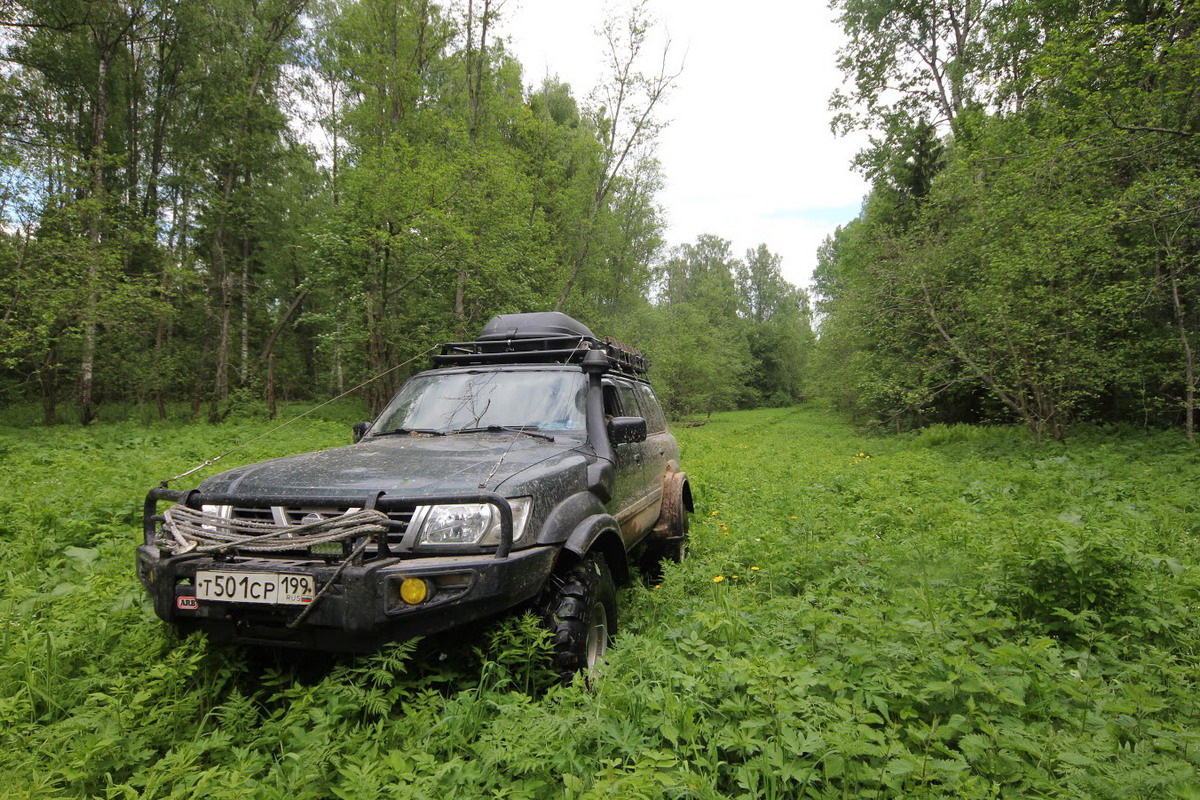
[(528, 430), (396, 431)]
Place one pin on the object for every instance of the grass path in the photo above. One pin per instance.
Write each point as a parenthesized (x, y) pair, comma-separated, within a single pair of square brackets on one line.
[(956, 613)]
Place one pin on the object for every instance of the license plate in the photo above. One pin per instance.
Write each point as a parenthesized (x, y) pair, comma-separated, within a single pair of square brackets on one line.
[(255, 587)]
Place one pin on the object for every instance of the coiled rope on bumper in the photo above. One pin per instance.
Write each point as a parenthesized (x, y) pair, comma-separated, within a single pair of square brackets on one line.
[(186, 530)]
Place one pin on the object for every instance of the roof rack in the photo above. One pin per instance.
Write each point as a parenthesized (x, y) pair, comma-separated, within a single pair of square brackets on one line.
[(626, 358), (539, 337), (542, 350)]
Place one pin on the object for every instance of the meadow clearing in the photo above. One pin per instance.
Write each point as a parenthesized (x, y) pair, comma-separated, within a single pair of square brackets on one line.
[(959, 612)]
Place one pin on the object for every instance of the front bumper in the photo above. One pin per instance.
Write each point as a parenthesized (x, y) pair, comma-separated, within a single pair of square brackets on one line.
[(360, 611), (358, 605)]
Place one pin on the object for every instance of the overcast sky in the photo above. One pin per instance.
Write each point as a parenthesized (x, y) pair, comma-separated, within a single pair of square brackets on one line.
[(748, 154)]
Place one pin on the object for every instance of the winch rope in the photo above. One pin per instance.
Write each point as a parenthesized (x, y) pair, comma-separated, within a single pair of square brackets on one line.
[(308, 609), (369, 381), (203, 532), (186, 530)]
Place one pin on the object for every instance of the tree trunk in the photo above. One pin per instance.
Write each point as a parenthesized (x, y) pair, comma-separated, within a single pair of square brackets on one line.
[(87, 411), (476, 55), (374, 356), (244, 365), (221, 381), (160, 335), (269, 348), (271, 386), (460, 309), (48, 378), (339, 374), (1189, 363)]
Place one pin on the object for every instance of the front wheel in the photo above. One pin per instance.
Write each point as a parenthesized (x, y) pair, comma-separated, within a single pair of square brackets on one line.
[(581, 615)]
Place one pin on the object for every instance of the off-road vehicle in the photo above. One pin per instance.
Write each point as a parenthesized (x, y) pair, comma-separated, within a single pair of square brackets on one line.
[(527, 469)]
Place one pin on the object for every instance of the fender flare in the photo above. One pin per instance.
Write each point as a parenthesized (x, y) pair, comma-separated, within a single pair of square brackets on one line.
[(685, 490), (600, 533), (676, 505), (564, 519)]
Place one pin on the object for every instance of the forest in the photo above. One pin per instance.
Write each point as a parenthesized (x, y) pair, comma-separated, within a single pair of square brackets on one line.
[(1029, 250), (209, 207), (212, 206)]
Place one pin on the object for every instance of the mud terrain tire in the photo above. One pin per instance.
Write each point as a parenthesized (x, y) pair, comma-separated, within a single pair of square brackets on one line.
[(581, 616)]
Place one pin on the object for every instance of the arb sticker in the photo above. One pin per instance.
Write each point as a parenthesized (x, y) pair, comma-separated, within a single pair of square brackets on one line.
[(186, 603)]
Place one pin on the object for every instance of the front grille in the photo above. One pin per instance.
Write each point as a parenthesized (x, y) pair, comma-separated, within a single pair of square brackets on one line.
[(253, 514)]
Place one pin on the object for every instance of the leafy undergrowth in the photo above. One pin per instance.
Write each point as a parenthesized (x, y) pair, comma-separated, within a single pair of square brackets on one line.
[(955, 613)]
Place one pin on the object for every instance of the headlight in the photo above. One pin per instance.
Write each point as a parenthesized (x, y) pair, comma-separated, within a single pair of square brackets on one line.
[(471, 523), (224, 512)]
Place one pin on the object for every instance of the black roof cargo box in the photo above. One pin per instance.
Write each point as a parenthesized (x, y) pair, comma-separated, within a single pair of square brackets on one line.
[(537, 325)]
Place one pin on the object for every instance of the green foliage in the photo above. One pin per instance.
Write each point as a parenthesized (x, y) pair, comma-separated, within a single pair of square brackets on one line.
[(1064, 582), (237, 204), (696, 365), (1030, 253), (959, 612), (281, 201), (723, 332)]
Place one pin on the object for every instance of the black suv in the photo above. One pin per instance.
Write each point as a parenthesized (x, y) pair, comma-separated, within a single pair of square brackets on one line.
[(527, 469)]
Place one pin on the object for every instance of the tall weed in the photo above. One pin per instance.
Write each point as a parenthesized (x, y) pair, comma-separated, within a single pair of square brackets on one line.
[(956, 613)]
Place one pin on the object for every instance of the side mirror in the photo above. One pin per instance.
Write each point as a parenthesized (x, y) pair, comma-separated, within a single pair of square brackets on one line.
[(360, 430), (626, 430)]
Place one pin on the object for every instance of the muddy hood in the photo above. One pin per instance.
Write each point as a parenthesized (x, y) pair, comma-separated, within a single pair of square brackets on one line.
[(399, 465)]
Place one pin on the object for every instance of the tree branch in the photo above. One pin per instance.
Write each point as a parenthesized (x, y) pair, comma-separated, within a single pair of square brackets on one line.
[(1150, 129)]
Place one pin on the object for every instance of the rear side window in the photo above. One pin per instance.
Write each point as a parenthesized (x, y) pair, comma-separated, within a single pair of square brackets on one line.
[(656, 421)]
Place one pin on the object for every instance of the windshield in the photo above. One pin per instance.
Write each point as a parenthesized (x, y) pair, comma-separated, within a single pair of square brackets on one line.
[(545, 400)]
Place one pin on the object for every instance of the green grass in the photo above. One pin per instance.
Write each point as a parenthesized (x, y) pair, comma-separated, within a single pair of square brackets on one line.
[(955, 613)]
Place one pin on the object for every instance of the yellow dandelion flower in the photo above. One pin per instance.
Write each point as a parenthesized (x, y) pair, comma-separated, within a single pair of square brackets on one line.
[(754, 569), (735, 577), (713, 514), (718, 579)]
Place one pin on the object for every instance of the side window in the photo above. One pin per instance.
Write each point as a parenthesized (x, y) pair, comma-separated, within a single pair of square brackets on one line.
[(612, 403), (629, 403), (656, 421)]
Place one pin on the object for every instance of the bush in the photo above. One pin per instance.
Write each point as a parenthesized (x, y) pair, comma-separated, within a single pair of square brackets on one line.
[(1069, 586)]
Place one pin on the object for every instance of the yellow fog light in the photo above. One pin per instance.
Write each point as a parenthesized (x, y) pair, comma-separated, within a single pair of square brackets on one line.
[(414, 591)]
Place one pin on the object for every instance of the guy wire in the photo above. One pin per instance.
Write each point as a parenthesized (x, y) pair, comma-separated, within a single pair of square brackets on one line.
[(211, 461)]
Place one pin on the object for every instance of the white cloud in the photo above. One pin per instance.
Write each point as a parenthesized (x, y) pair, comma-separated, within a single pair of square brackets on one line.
[(748, 154)]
